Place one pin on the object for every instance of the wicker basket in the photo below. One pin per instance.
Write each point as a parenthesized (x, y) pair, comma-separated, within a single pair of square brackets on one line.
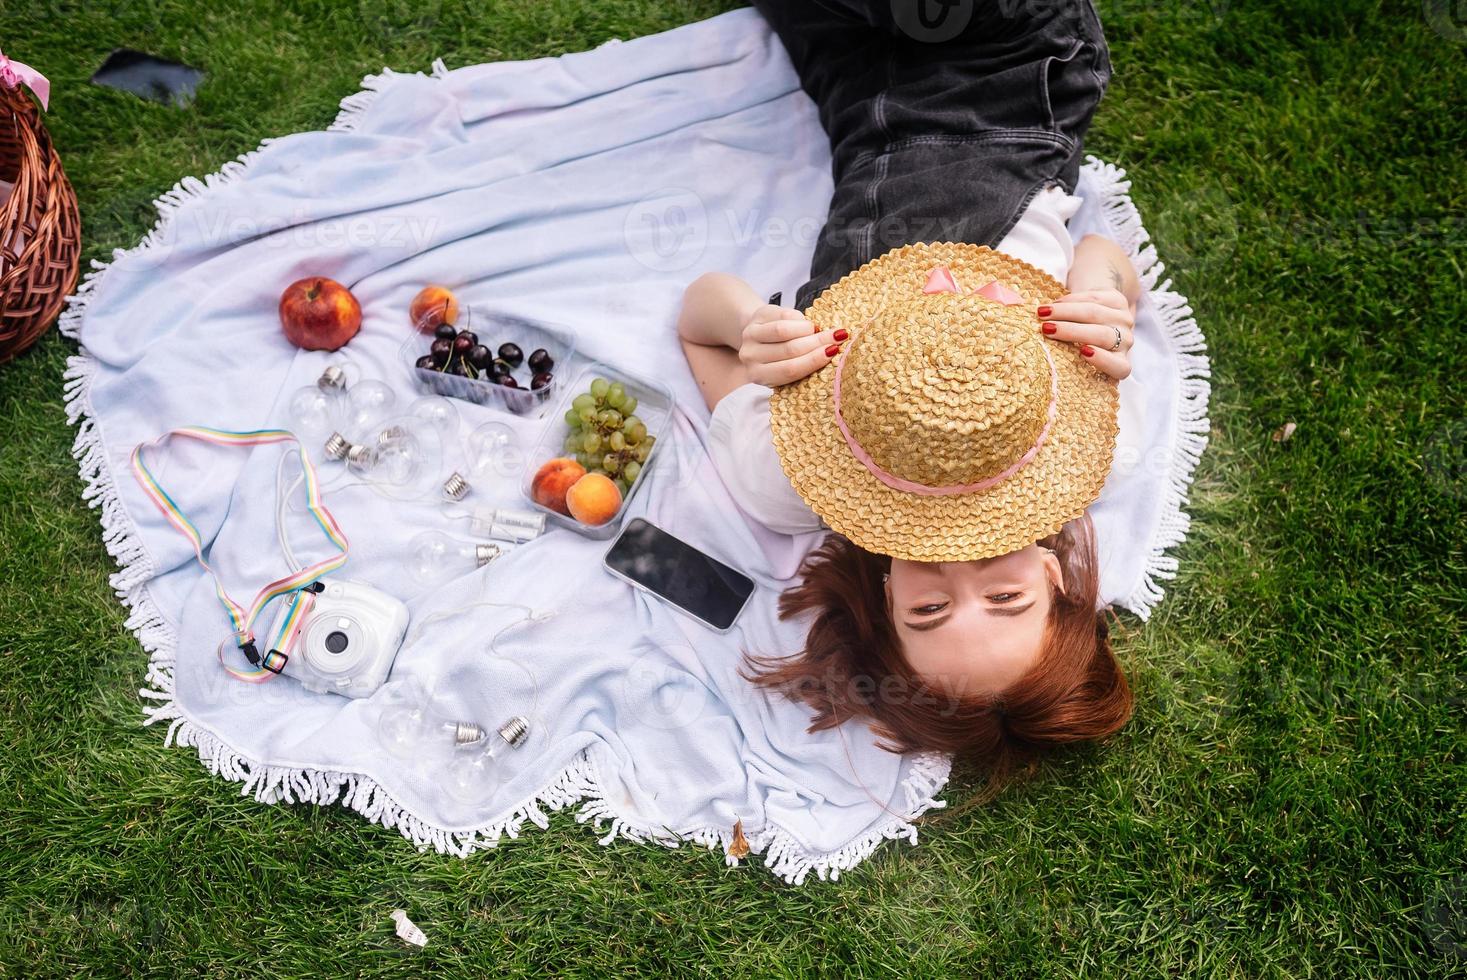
[(40, 231)]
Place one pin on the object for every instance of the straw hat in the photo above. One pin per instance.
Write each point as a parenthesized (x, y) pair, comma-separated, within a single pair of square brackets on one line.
[(948, 428)]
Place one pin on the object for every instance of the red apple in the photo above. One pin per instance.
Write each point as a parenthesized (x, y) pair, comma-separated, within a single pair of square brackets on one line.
[(317, 313)]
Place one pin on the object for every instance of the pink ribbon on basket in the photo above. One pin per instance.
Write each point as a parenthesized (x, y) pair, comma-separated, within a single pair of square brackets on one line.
[(14, 73)]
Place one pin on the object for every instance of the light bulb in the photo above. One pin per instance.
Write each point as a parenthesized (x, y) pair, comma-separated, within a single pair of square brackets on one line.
[(317, 410), (315, 413), (367, 403), (438, 412), (475, 773), (438, 557), (400, 458), (412, 725), (339, 374), (493, 448)]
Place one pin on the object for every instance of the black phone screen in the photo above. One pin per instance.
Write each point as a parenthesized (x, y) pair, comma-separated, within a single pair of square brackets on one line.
[(679, 573)]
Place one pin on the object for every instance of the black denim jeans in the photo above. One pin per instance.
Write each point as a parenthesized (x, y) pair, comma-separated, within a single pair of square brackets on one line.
[(945, 117)]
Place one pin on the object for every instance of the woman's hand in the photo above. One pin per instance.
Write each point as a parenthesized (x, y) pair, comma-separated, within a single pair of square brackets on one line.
[(779, 346), (1101, 321)]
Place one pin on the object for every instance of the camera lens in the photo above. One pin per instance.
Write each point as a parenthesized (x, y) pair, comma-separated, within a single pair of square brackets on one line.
[(336, 641)]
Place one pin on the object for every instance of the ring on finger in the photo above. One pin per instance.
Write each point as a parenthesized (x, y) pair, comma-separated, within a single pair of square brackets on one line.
[(1117, 345)]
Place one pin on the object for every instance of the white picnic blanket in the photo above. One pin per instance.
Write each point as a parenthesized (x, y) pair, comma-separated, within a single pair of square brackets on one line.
[(588, 190)]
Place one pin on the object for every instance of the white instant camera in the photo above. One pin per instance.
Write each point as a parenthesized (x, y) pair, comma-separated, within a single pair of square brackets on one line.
[(344, 641)]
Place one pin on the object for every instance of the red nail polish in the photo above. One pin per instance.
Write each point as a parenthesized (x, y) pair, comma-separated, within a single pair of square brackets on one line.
[(1048, 328), (1087, 350), (841, 334), (1044, 311), (832, 350)]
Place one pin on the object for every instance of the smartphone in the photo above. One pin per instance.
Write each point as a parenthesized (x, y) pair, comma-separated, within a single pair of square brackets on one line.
[(676, 572)]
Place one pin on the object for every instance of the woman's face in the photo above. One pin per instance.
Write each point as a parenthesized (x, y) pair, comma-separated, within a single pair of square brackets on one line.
[(973, 627)]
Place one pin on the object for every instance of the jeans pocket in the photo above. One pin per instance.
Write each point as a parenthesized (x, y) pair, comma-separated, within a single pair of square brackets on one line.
[(1070, 87)]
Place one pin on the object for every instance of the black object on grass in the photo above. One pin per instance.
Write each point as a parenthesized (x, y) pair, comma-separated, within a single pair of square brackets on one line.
[(149, 77)]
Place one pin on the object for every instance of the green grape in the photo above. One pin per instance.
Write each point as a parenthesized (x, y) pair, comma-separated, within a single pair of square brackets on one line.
[(642, 451), (629, 406), (585, 460), (616, 397), (591, 442), (611, 462), (621, 486), (618, 441), (583, 401), (635, 431), (572, 419), (586, 415), (610, 418), (618, 389), (599, 388), (649, 442), (572, 443), (631, 471)]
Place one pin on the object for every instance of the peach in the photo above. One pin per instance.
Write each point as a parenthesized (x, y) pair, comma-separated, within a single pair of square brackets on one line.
[(593, 499), (317, 313), (432, 307), (553, 481)]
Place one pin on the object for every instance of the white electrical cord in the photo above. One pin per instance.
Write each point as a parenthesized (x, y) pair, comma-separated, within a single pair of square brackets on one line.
[(531, 616), (282, 495)]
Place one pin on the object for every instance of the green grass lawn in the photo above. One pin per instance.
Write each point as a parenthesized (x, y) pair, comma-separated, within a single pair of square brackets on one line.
[(1289, 799)]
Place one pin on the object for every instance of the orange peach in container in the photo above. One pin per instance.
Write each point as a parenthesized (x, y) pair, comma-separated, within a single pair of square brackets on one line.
[(593, 499)]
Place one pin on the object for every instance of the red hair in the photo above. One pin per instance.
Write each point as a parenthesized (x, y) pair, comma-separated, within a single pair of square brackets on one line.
[(853, 667)]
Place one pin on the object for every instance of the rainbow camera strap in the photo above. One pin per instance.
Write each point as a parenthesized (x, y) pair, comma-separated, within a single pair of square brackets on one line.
[(267, 665)]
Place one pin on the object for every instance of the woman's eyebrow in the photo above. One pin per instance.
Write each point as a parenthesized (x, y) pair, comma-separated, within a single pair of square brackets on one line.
[(930, 624), (1010, 611)]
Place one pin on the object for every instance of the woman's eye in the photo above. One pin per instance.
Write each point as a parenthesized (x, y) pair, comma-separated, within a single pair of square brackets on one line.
[(1001, 597), (930, 608)]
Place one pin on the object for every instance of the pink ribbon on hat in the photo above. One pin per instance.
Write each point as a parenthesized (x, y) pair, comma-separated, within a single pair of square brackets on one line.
[(13, 73), (940, 280)]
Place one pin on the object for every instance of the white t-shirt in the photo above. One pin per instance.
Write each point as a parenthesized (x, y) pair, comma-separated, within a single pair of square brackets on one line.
[(739, 437)]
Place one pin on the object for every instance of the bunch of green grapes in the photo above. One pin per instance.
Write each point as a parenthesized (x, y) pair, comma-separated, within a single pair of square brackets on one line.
[(605, 434)]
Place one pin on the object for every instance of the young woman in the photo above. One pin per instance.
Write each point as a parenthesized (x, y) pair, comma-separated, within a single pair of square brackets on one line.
[(949, 409)]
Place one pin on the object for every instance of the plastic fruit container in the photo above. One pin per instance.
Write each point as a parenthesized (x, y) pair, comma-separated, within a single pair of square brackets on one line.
[(494, 329), (654, 408)]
